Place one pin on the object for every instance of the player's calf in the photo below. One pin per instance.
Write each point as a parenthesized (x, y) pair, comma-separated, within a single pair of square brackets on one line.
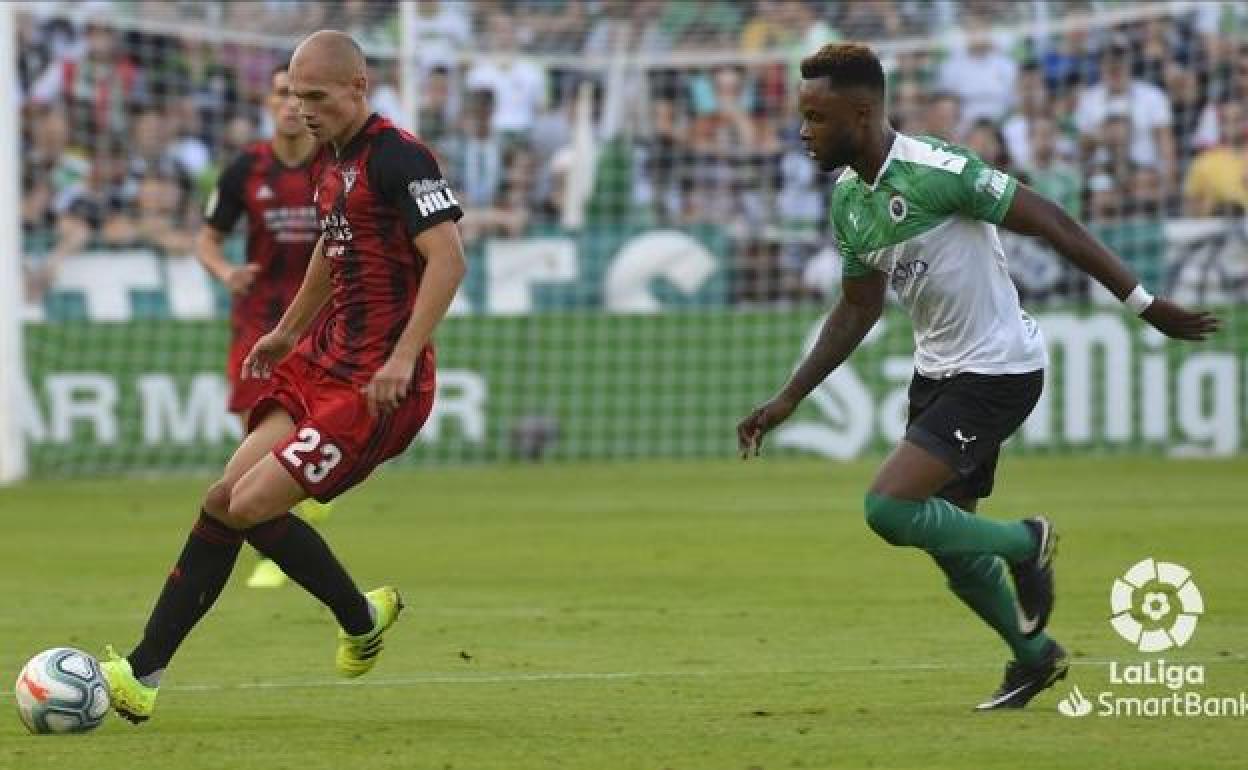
[(1033, 578)]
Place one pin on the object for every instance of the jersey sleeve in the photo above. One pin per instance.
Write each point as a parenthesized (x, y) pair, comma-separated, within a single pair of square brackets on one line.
[(978, 191), (406, 176), (225, 204), (851, 265)]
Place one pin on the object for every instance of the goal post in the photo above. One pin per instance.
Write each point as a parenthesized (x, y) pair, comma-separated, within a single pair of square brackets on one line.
[(12, 362)]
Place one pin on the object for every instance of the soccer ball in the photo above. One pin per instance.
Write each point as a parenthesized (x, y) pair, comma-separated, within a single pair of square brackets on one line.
[(62, 690)]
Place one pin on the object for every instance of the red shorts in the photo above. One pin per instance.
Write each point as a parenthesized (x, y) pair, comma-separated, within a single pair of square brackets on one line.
[(243, 393), (336, 443)]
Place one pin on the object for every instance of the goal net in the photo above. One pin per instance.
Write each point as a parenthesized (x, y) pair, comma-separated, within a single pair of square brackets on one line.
[(649, 245)]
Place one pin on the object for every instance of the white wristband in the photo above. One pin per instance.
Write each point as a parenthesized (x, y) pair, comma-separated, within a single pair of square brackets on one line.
[(1138, 300)]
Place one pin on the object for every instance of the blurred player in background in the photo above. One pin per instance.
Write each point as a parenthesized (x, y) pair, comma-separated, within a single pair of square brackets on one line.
[(270, 184), (340, 401), (921, 215)]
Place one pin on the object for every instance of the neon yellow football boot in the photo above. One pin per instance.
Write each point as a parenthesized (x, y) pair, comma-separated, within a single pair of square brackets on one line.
[(266, 575), (314, 511), (132, 699), (357, 654)]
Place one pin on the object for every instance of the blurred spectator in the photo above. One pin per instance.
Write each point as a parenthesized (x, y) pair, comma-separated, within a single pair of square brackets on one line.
[(1112, 151), (800, 203), (790, 26), (942, 116), (552, 26), (1033, 103), (441, 30), (981, 75), (239, 132), (906, 111), (1187, 102), (869, 20), (151, 154), (695, 24), (509, 215), (552, 131), (518, 85), (152, 220), (40, 44), (1068, 60), (724, 121), (1228, 85), (100, 87), (197, 74), (1145, 106), (474, 152), (1105, 199), (628, 25), (370, 23), (188, 150), (54, 222), (53, 158), (1131, 226), (1047, 173), (383, 92), (1217, 181), (436, 114), (1162, 42), (985, 140)]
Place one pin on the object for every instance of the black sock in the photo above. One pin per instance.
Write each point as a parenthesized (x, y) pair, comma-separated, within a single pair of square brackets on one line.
[(306, 559), (193, 585)]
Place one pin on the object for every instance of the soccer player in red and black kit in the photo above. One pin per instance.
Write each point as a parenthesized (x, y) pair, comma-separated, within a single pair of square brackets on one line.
[(352, 394), (270, 184)]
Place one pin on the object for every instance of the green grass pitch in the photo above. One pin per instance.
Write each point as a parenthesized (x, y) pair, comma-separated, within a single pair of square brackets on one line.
[(719, 615)]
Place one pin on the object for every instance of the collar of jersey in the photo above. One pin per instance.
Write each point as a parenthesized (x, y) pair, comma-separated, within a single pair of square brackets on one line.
[(892, 149), (353, 145)]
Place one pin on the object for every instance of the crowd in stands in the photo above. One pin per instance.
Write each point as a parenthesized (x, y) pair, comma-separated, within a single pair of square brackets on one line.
[(126, 124)]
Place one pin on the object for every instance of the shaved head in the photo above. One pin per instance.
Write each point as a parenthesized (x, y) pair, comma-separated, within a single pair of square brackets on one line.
[(329, 77), (332, 52)]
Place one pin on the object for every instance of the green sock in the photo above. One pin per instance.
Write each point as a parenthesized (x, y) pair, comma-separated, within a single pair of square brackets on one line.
[(980, 582), (943, 529)]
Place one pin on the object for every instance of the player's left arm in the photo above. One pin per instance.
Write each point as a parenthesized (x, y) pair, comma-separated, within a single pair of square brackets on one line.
[(445, 267), (407, 177), (1032, 214)]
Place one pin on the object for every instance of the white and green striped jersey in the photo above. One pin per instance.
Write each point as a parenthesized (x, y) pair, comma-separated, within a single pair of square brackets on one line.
[(929, 221)]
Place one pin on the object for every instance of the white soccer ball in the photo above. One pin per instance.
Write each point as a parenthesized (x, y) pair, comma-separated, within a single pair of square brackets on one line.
[(62, 690)]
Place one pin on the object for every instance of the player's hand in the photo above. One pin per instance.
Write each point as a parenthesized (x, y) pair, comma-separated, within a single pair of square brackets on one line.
[(389, 385), (1174, 321), (267, 353), (240, 278), (751, 430)]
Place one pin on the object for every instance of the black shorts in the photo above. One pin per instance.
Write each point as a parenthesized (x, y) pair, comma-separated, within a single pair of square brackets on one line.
[(964, 419)]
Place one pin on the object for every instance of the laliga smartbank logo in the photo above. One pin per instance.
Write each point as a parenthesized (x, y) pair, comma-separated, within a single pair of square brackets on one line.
[(1154, 606)]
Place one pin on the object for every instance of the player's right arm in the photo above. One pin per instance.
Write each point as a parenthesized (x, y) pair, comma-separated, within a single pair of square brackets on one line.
[(223, 210), (860, 306), (270, 349)]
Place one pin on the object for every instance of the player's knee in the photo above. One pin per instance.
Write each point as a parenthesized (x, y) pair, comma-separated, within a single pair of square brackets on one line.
[(217, 500), (245, 511), (889, 518)]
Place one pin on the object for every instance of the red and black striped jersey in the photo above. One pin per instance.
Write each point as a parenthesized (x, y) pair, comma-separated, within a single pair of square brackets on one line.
[(373, 197), (282, 229)]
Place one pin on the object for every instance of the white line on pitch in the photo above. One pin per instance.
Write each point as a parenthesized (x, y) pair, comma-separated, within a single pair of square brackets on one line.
[(591, 676), (603, 676)]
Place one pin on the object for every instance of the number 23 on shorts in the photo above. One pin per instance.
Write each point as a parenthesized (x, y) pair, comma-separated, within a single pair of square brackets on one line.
[(311, 455)]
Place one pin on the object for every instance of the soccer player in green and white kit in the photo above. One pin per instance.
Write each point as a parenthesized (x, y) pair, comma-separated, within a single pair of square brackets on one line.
[(921, 216)]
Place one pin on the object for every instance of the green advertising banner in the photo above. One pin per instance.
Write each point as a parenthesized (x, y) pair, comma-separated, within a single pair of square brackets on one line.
[(149, 395)]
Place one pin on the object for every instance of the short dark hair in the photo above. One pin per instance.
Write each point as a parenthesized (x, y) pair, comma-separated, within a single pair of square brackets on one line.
[(848, 65), (280, 68)]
